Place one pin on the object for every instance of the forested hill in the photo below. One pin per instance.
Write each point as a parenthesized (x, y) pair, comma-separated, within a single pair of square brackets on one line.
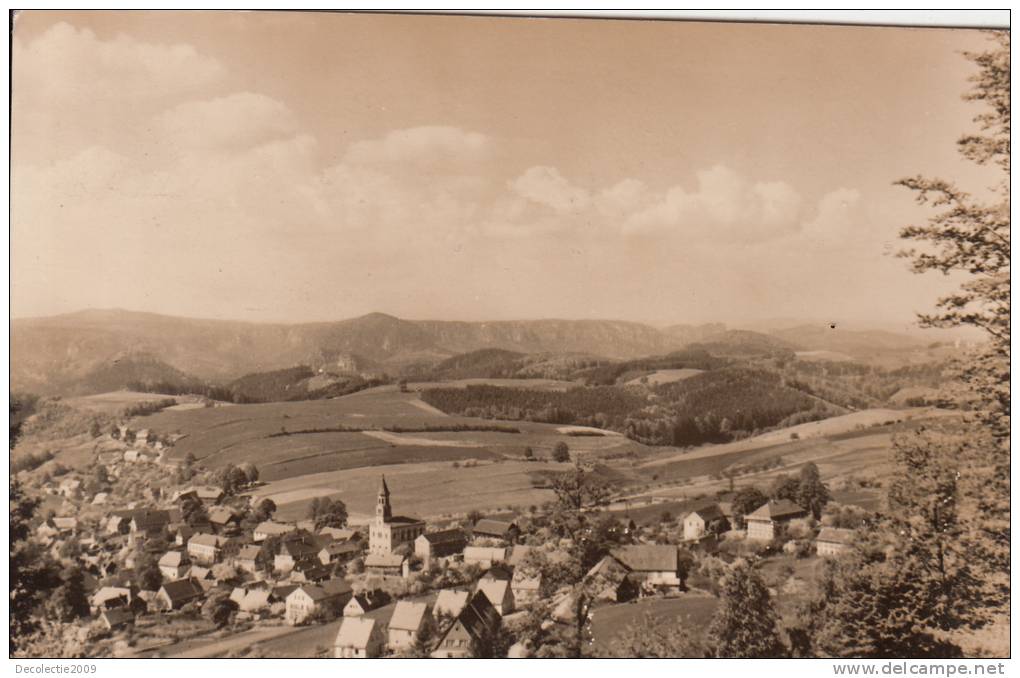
[(716, 406)]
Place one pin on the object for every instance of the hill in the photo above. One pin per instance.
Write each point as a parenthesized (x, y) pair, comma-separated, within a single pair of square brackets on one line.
[(50, 353)]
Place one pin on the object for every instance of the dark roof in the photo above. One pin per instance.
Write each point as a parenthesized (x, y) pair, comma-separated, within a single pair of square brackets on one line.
[(118, 615), (151, 519), (281, 592), (479, 616), (298, 548), (778, 510), (404, 519), (183, 589), (835, 535), (709, 512), (493, 528), (337, 547), (446, 536), (648, 557)]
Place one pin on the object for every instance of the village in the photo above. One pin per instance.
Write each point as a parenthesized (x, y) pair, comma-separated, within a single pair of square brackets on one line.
[(161, 543)]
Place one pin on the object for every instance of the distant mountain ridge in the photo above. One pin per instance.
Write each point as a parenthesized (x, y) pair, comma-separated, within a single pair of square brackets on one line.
[(87, 350)]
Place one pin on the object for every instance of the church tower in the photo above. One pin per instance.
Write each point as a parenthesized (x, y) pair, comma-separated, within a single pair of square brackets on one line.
[(382, 503)]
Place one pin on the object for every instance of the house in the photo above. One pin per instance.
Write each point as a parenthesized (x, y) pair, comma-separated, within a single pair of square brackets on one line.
[(652, 565), (450, 602), (209, 494), (365, 602), (117, 618), (765, 522), (150, 522), (339, 552), (499, 593), (203, 575), (65, 524), (254, 600), (205, 548), (131, 456), (393, 564), (310, 571), (109, 458), (182, 533), (294, 551), (432, 545), (610, 580), (476, 623), (518, 552), (269, 528), (832, 541), (487, 528), (108, 597), (340, 533), (119, 522), (249, 559), (176, 594), (308, 599), (525, 588), (100, 499), (221, 518), (173, 564), (359, 638), (388, 531), (484, 556), (408, 618), (703, 521)]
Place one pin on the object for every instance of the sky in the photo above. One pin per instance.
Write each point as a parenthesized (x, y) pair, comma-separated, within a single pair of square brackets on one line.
[(301, 166)]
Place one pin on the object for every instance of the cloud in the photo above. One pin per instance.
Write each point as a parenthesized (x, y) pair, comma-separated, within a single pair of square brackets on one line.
[(236, 121), (725, 204), (546, 186), (836, 218), (441, 146)]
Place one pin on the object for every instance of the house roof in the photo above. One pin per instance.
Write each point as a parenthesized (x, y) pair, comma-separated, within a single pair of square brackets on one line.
[(518, 552), (270, 527), (387, 560), (479, 616), (281, 592), (527, 583), (407, 615), (339, 533), (708, 512), (256, 599), (249, 553), (404, 520), (835, 535), (182, 589), (355, 632), (493, 528), (221, 515), (206, 540), (451, 602), (146, 519), (648, 557), (494, 589), (777, 510), (298, 548), (118, 615), (65, 522), (338, 547), (445, 536), (173, 559), (107, 593)]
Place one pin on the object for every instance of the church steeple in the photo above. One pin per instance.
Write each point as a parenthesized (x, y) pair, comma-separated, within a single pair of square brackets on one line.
[(382, 502)]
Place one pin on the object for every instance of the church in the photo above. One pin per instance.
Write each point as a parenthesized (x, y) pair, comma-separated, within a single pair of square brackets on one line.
[(388, 531)]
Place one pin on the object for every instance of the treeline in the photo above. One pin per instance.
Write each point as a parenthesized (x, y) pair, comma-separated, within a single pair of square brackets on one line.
[(721, 406), (712, 407), (289, 384), (853, 385), (607, 375), (599, 406), (148, 407)]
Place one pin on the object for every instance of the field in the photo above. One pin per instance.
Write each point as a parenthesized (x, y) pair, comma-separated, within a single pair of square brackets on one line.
[(114, 402), (691, 612), (665, 376)]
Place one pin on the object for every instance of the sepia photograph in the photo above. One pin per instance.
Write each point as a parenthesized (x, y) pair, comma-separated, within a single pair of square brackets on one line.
[(390, 335)]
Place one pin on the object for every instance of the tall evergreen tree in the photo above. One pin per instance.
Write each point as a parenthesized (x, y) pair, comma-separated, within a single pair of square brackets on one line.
[(746, 625)]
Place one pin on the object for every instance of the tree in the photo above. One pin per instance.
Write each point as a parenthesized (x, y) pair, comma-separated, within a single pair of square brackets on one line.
[(970, 237), (251, 472), (747, 500), (561, 453), (68, 601), (812, 494), (218, 608), (264, 510), (650, 638), (784, 487), (230, 478), (326, 512), (193, 511), (147, 574), (424, 639), (32, 573), (745, 624)]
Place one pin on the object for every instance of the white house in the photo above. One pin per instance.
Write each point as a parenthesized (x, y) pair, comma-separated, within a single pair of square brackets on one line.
[(408, 618), (359, 638)]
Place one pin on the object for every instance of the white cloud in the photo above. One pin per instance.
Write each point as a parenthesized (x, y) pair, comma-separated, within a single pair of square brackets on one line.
[(236, 121), (546, 186), (837, 216), (437, 145)]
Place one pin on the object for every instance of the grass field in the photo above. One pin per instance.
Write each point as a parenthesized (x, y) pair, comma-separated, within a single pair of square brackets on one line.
[(422, 489), (114, 402), (666, 376), (691, 612)]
